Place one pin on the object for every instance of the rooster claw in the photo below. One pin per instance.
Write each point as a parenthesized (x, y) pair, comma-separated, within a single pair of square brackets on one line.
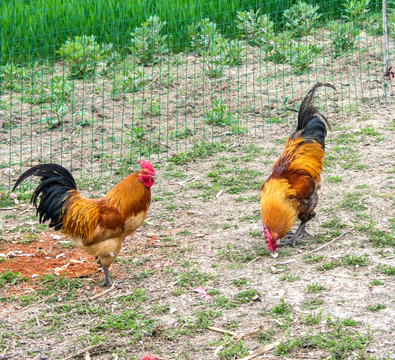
[(107, 284), (292, 239), (289, 239)]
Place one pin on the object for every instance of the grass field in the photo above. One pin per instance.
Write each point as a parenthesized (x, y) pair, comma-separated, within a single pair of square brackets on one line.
[(33, 30)]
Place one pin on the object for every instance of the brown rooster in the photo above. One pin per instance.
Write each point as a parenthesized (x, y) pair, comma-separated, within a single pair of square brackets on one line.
[(290, 192), (97, 226)]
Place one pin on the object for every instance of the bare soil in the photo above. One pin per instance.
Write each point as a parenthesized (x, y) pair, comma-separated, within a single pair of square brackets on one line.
[(214, 232)]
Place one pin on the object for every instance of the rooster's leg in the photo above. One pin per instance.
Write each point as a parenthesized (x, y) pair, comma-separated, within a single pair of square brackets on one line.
[(292, 239), (108, 281)]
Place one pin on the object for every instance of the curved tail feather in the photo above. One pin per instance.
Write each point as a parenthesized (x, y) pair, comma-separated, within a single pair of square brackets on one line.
[(56, 182), (311, 123)]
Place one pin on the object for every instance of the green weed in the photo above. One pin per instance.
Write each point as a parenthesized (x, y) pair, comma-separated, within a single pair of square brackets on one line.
[(231, 349), (376, 307)]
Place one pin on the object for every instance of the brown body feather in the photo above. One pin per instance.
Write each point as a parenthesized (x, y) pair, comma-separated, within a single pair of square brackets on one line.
[(95, 220)]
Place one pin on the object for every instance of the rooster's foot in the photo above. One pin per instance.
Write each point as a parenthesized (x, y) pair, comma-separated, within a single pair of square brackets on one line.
[(292, 239), (108, 282)]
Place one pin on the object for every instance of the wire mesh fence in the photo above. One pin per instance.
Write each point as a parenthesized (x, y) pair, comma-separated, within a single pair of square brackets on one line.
[(95, 85)]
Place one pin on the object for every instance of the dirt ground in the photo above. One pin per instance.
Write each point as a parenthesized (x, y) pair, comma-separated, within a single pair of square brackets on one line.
[(204, 230)]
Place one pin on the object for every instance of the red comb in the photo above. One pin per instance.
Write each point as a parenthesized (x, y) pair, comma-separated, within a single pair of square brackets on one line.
[(271, 244), (146, 165)]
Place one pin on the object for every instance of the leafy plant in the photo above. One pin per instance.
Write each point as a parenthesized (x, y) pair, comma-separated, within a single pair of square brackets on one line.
[(301, 18), (61, 89), (83, 55), (246, 296), (110, 59), (232, 52), (281, 309), (148, 43), (56, 120), (354, 10), (203, 35), (315, 288), (343, 36), (278, 46), (375, 23), (300, 57), (131, 80), (9, 74), (376, 307), (231, 349), (10, 277), (254, 28), (213, 66), (218, 115)]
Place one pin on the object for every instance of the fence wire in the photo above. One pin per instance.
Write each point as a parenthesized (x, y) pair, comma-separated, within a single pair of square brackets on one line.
[(96, 85)]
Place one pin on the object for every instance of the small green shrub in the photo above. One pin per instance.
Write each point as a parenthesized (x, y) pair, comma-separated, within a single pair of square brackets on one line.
[(386, 269), (131, 80), (55, 120), (61, 89), (148, 43), (343, 36), (203, 35), (374, 23), (254, 28), (83, 55), (376, 307), (9, 76), (301, 18), (355, 10), (281, 309), (219, 115), (245, 296), (300, 57)]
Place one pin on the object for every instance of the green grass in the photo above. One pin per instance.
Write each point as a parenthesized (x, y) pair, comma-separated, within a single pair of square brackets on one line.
[(354, 261), (354, 201), (386, 269), (281, 309), (230, 349), (338, 340), (376, 307), (10, 278), (246, 296), (38, 29), (129, 320), (193, 278), (315, 288)]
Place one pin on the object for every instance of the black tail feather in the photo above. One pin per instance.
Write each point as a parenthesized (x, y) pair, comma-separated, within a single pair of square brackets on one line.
[(56, 182), (310, 121)]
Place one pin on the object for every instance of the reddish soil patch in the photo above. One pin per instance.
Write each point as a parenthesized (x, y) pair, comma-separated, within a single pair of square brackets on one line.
[(47, 255)]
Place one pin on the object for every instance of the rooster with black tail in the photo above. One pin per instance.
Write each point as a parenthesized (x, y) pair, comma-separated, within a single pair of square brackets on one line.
[(291, 191)]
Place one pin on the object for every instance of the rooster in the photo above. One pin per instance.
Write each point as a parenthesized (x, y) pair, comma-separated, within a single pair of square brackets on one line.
[(290, 192), (97, 226)]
